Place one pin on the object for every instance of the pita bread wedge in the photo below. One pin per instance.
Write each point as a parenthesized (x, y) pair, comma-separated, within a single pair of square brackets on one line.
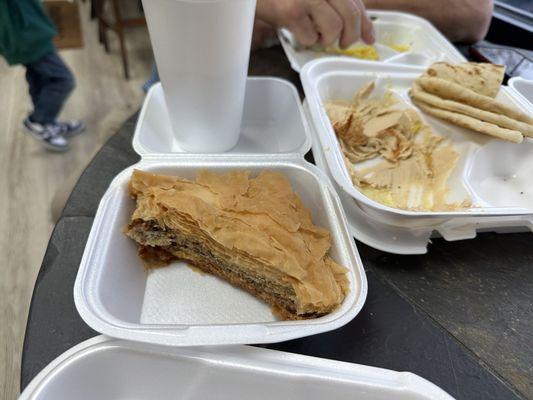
[(470, 123), (482, 78), (453, 91), (418, 94)]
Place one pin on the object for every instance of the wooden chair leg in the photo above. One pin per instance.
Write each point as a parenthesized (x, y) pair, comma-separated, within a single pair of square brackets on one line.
[(124, 54), (93, 9), (100, 32), (102, 29), (120, 32)]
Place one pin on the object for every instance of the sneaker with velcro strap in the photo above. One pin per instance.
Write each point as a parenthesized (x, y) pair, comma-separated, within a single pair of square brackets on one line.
[(70, 128), (50, 136)]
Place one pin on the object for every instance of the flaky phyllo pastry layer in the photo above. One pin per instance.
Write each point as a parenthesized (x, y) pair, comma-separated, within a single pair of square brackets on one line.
[(253, 232)]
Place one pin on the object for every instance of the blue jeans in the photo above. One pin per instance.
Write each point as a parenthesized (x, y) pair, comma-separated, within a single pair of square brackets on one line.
[(50, 83)]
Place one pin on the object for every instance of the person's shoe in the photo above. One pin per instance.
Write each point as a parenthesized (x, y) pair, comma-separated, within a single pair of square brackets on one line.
[(50, 135), (70, 128)]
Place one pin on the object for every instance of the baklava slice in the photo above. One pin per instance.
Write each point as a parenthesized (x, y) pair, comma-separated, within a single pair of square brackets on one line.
[(252, 232)]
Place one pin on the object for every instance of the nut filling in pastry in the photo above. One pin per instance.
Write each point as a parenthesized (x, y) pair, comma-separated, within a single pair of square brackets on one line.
[(254, 233)]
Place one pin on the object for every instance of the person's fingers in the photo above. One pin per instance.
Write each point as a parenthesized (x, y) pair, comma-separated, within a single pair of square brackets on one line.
[(269, 11), (304, 31), (324, 20), (351, 17), (368, 33), (327, 21), (291, 14)]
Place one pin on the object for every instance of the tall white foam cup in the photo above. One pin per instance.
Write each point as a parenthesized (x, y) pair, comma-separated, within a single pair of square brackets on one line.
[(202, 48)]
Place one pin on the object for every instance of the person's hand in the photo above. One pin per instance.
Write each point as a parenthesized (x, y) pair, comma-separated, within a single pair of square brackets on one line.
[(319, 21)]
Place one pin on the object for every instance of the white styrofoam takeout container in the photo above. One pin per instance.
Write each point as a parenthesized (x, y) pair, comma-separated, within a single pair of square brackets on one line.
[(404, 240), (427, 44), (273, 122), (176, 305), (523, 87), (494, 174), (105, 368)]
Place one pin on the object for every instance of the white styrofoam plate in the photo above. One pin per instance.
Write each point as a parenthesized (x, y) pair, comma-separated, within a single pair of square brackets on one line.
[(426, 43), (177, 306), (493, 173), (404, 240), (104, 368), (524, 88), (273, 122)]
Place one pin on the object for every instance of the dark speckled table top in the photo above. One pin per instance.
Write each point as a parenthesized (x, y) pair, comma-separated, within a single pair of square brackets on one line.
[(460, 316)]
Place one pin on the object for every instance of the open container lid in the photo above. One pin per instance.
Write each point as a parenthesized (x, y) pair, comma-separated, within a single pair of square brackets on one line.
[(105, 368), (422, 43), (175, 305), (273, 122)]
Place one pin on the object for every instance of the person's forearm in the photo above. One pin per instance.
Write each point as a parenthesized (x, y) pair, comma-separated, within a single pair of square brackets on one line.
[(459, 20)]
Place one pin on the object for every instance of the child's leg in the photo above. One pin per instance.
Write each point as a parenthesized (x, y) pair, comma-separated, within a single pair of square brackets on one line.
[(34, 84), (56, 83)]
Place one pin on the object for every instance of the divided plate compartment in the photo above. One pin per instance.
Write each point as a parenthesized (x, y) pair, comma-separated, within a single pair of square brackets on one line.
[(493, 173), (104, 368), (404, 240), (523, 88), (177, 305), (425, 43)]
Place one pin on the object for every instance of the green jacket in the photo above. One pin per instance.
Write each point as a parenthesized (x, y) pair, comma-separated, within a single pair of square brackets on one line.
[(26, 32)]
